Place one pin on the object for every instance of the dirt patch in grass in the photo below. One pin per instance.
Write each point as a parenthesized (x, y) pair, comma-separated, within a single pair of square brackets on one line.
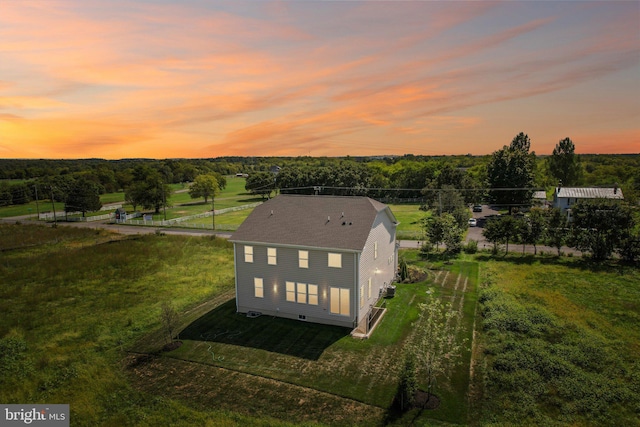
[(206, 387)]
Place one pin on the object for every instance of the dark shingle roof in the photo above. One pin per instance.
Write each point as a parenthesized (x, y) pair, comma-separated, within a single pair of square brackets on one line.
[(314, 221)]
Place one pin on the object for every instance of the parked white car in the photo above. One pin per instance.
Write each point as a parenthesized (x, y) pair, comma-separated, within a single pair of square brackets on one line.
[(472, 222)]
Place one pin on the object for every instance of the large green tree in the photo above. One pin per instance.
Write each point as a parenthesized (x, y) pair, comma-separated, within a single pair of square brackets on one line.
[(502, 229), (205, 185), (443, 229), (83, 196), (149, 189), (532, 228), (557, 230), (447, 200), (564, 164), (510, 174), (600, 226), (262, 183)]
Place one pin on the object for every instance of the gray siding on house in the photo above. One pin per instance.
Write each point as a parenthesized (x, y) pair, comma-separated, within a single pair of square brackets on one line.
[(319, 225), (381, 270), (275, 277)]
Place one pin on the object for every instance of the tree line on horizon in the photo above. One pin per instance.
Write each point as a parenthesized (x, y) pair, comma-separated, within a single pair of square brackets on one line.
[(506, 178)]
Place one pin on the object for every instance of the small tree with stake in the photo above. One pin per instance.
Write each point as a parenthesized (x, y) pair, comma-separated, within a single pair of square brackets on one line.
[(403, 269), (169, 318), (406, 395), (436, 348)]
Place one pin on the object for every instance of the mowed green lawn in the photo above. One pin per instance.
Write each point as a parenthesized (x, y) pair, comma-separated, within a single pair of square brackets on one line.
[(335, 372)]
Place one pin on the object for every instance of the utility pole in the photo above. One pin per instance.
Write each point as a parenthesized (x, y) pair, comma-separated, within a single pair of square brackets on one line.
[(35, 187), (164, 201), (55, 219), (164, 204)]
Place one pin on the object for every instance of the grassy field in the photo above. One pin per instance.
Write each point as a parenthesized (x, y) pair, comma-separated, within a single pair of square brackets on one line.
[(234, 194), (556, 341), (561, 342), (72, 299), (410, 218), (80, 325)]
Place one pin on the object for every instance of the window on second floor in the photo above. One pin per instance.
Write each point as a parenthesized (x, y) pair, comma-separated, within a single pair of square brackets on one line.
[(248, 254), (335, 260), (303, 259), (272, 256)]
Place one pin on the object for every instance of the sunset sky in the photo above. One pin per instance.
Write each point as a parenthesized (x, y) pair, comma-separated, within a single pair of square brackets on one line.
[(204, 78)]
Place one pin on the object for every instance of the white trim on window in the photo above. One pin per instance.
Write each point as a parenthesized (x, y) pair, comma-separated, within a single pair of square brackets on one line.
[(303, 259), (313, 294), (334, 260), (272, 256), (248, 254), (291, 291), (258, 287), (301, 293), (339, 301)]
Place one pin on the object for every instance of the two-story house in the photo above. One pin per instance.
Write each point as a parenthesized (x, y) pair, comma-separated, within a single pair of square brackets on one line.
[(323, 259)]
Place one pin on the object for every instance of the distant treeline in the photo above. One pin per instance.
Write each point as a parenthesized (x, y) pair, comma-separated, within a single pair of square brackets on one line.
[(406, 175)]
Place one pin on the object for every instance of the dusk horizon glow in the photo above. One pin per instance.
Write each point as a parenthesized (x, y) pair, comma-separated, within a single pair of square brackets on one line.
[(204, 79)]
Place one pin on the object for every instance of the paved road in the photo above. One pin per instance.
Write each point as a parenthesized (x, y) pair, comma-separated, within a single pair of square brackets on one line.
[(474, 233), (122, 229)]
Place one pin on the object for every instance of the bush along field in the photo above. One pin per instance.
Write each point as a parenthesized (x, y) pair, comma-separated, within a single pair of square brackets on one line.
[(561, 343)]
